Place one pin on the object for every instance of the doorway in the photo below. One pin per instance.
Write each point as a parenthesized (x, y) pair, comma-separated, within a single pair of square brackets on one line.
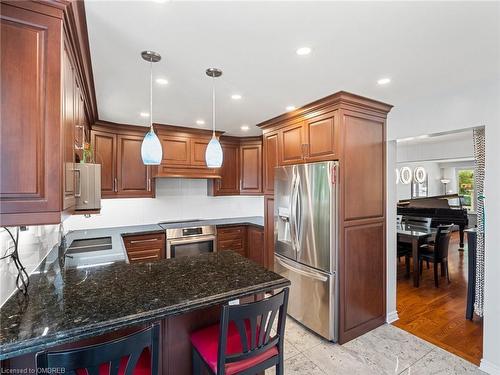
[(436, 181)]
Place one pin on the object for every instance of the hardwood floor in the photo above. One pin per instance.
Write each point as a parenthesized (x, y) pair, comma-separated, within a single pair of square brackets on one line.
[(437, 315)]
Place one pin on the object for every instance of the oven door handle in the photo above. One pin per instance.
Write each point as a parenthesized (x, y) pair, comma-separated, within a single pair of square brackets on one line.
[(176, 241)]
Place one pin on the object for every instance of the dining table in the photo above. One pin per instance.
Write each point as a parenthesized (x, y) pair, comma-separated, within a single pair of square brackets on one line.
[(416, 237)]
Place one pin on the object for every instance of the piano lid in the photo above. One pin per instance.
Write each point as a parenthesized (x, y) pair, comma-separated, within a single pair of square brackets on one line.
[(438, 201)]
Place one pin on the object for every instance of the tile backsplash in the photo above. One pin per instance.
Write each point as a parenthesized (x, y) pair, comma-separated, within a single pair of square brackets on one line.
[(34, 245), (176, 199)]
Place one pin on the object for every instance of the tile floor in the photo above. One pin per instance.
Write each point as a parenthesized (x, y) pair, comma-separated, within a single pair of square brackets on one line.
[(385, 350)]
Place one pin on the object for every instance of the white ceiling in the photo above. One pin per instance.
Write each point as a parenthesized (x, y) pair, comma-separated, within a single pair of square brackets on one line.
[(429, 50)]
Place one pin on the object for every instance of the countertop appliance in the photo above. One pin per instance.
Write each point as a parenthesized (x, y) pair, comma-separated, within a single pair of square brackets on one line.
[(305, 232), (88, 186), (189, 241)]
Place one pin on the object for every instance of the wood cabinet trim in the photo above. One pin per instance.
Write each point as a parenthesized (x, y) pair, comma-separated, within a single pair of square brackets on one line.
[(341, 98)]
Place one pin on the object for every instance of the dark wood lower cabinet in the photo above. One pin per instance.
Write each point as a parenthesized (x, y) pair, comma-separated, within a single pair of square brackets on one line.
[(269, 232), (362, 265), (247, 240), (255, 245), (145, 247)]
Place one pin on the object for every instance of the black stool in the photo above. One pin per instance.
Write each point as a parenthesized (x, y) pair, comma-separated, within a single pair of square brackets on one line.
[(135, 354)]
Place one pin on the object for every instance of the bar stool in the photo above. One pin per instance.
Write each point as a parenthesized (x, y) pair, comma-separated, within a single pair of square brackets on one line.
[(135, 354), (243, 341)]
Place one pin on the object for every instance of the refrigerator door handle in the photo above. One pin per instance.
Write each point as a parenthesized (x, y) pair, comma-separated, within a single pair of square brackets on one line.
[(293, 210), (312, 275)]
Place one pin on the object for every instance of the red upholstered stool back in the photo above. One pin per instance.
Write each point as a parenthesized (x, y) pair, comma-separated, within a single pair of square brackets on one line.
[(135, 354)]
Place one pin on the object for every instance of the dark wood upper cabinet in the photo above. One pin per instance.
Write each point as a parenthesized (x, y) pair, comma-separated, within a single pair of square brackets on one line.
[(251, 167), (241, 171), (104, 145), (31, 131), (184, 152), (198, 148), (69, 114), (364, 166), (229, 183), (133, 177), (270, 157), (41, 87), (176, 150), (321, 138), (118, 150), (292, 144)]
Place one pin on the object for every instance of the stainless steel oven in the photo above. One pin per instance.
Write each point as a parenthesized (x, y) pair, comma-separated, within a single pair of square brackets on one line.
[(183, 242)]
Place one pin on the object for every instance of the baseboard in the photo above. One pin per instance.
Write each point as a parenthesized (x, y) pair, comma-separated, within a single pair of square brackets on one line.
[(489, 368), (392, 317)]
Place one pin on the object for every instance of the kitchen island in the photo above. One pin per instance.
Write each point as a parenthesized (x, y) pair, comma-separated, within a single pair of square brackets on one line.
[(79, 305)]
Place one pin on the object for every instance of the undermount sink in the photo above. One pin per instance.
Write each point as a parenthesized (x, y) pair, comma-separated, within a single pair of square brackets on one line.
[(90, 244)]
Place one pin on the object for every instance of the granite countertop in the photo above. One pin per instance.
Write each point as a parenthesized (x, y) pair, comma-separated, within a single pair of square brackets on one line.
[(68, 304), (117, 253), (246, 220)]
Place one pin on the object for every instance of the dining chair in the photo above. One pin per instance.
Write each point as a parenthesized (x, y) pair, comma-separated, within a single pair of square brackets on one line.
[(437, 253), (134, 354), (244, 341)]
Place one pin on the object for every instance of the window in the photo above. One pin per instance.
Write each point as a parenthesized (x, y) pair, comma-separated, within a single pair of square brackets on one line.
[(465, 180)]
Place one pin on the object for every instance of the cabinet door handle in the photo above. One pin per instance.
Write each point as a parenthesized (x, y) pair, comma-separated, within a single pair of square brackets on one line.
[(148, 240), (115, 185), (149, 184)]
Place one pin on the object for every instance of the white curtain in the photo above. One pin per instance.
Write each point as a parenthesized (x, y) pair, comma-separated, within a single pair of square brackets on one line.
[(479, 184)]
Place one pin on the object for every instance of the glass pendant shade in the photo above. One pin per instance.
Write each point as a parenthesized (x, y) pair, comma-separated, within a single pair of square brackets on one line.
[(151, 151), (213, 153)]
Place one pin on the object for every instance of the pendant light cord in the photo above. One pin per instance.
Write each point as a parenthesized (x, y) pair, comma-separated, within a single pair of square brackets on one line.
[(213, 105), (151, 93)]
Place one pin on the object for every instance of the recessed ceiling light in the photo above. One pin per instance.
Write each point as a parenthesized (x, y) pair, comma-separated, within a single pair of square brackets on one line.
[(200, 122), (144, 114), (384, 81), (236, 96), (244, 128), (290, 108), (302, 51), (161, 81)]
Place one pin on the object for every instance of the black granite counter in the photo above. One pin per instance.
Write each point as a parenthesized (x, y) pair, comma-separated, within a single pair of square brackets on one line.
[(66, 304), (246, 220)]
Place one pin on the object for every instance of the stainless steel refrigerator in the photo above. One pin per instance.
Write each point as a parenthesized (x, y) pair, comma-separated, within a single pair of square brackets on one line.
[(305, 234)]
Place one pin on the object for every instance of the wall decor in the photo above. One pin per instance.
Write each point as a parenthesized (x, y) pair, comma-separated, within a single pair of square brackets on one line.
[(420, 175), (406, 175)]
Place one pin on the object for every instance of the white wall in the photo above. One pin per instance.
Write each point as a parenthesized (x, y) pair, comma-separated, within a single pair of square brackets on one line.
[(475, 106), (434, 186), (176, 199), (438, 148), (491, 329), (34, 244)]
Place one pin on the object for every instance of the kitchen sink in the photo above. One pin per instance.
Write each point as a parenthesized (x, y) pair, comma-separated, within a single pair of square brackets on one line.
[(90, 244)]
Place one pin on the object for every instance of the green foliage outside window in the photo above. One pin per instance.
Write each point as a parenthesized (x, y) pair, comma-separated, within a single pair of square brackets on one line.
[(466, 186)]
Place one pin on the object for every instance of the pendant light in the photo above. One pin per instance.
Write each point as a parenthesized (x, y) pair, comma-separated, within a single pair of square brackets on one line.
[(151, 151), (213, 153)]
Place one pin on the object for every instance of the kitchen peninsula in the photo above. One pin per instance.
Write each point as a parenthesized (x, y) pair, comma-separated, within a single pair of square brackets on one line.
[(72, 305)]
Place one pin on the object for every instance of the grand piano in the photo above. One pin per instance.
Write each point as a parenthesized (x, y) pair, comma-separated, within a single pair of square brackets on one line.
[(443, 209)]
